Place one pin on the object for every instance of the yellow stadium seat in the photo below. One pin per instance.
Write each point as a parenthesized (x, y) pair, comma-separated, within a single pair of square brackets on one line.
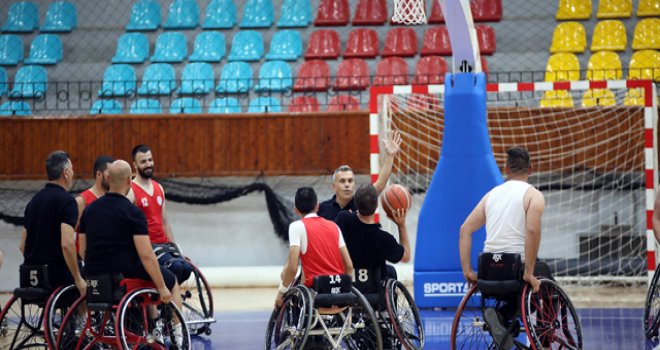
[(569, 37), (644, 64), (562, 66), (574, 9), (604, 65), (598, 97), (614, 9), (647, 34), (556, 98), (635, 97), (648, 8), (609, 35)]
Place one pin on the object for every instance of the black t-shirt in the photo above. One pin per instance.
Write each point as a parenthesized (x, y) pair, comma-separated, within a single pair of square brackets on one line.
[(109, 224), (330, 208), (368, 245), (44, 215)]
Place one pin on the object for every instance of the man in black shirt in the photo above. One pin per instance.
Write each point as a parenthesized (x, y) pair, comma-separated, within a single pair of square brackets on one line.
[(50, 217)]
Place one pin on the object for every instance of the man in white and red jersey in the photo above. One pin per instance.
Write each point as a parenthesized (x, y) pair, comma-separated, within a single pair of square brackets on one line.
[(100, 186)]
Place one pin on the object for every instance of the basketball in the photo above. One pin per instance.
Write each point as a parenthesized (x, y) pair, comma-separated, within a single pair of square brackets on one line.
[(395, 197)]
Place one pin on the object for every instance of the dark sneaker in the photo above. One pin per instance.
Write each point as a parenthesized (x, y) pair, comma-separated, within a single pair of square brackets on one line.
[(500, 334)]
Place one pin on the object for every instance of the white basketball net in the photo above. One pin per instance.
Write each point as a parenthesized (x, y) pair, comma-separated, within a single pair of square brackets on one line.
[(409, 12)]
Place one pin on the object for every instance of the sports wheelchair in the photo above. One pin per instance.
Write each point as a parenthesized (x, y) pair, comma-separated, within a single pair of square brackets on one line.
[(122, 314), (33, 315), (502, 312), (331, 315), (652, 308)]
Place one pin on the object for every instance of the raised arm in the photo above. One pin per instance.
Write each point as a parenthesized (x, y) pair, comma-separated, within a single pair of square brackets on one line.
[(400, 220), (391, 149), (533, 239), (474, 221)]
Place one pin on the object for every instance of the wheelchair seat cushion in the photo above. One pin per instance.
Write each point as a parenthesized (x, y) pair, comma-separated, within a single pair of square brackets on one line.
[(32, 294), (335, 300), (105, 289), (34, 276), (333, 284), (499, 273)]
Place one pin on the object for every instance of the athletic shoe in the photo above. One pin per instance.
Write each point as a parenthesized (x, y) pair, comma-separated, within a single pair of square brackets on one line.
[(178, 335), (157, 333), (500, 334)]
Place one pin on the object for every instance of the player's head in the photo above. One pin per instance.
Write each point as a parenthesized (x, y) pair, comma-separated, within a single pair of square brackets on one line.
[(366, 199), (306, 201), (59, 168), (143, 161), (517, 161), (119, 177), (101, 171), (343, 182)]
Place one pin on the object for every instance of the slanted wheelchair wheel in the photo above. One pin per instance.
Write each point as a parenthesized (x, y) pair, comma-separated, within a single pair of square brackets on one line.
[(652, 308), (197, 303), (365, 325), (550, 319), (469, 330), (404, 315), (21, 325), (289, 324), (56, 308), (74, 331)]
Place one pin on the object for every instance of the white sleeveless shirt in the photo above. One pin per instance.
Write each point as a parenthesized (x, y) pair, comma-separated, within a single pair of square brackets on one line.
[(505, 218)]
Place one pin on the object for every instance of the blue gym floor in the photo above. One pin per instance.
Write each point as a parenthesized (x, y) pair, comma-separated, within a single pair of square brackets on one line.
[(603, 329)]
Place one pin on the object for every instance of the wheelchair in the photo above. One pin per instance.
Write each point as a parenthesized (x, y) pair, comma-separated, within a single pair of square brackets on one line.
[(522, 319), (331, 315), (122, 314), (33, 315), (652, 308)]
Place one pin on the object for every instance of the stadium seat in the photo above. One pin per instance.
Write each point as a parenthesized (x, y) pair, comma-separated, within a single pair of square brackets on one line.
[(343, 103), (436, 42), (235, 77), (304, 104), (186, 105), (146, 106), (604, 65), (609, 35), (131, 48), (486, 10), (645, 64), (647, 34), (562, 66), (635, 97), (106, 107), (323, 44), (45, 49), (275, 76), (158, 79), (197, 78), (170, 47), (313, 75), (352, 74), (370, 13), (4, 82), (573, 9), (61, 17), (484, 65), (614, 9), (20, 108), (598, 97), (430, 70), (486, 39), (436, 16), (145, 16), (285, 45), (30, 82), (208, 47), (220, 14), (362, 43), (247, 45), (257, 14), (264, 105), (182, 14), (118, 80), (400, 42), (225, 105), (391, 71), (556, 98), (569, 37), (11, 49), (333, 13), (295, 13), (23, 17), (648, 8)]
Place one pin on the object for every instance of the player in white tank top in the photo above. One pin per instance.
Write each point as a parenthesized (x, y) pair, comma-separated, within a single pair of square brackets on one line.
[(505, 218)]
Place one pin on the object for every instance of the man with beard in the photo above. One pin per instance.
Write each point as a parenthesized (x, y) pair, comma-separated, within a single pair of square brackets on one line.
[(99, 188)]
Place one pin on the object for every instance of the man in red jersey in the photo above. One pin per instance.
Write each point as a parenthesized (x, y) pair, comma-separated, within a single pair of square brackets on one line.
[(99, 188)]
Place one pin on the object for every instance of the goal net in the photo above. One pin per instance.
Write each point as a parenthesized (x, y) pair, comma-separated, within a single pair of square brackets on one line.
[(593, 151)]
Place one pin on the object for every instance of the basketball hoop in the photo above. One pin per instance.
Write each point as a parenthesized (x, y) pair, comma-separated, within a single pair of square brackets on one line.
[(409, 12)]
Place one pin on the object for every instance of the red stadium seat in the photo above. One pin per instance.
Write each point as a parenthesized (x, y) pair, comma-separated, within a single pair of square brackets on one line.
[(486, 39), (313, 75), (352, 74), (436, 41), (430, 70), (391, 71), (484, 65), (400, 42), (370, 13), (333, 13), (323, 44), (436, 16), (304, 104), (362, 43), (486, 10), (343, 103)]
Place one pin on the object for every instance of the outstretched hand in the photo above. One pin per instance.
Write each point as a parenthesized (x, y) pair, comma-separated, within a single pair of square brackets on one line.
[(399, 216), (392, 145), (471, 277), (533, 281)]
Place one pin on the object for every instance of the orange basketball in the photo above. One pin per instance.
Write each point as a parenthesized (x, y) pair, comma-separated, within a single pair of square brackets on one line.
[(395, 197)]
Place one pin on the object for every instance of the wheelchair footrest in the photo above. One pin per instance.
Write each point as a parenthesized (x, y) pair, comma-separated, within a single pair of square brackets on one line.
[(32, 293), (335, 300)]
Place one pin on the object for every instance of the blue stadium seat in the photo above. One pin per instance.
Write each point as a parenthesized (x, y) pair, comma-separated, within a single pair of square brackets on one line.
[(29, 82), (264, 105), (170, 47), (295, 13), (247, 45), (146, 106), (226, 105), (61, 17), (106, 107), (286, 45), (131, 48), (11, 50), (158, 79), (23, 17), (4, 82), (257, 14), (275, 76), (186, 105), (118, 80), (145, 16), (209, 47), (182, 14), (220, 14), (197, 78), (235, 77), (45, 49), (15, 108)]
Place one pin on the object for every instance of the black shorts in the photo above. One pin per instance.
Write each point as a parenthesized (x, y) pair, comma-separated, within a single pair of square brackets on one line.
[(141, 273)]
